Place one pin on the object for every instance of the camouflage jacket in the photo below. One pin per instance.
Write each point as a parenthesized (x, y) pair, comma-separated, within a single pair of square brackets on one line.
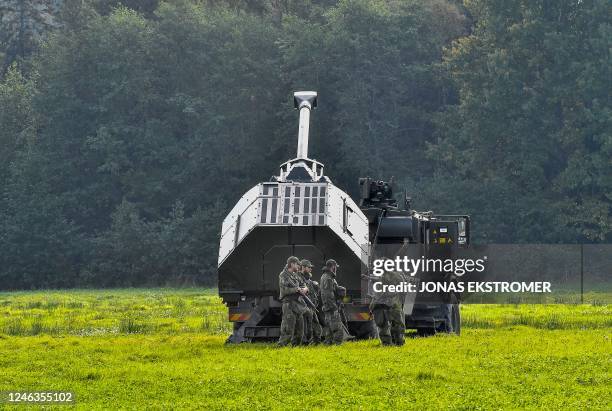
[(313, 289), (329, 291), (288, 283), (391, 299)]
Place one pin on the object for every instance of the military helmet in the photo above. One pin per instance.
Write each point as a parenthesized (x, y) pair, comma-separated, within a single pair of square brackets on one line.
[(293, 260), (306, 263)]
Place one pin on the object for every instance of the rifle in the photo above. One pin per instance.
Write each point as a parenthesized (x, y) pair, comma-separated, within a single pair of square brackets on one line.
[(307, 300), (344, 322), (348, 335)]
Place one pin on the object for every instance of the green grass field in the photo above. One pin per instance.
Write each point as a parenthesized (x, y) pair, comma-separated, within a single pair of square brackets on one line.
[(164, 348)]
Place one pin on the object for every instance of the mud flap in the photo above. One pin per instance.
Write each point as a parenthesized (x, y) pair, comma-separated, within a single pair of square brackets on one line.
[(259, 312)]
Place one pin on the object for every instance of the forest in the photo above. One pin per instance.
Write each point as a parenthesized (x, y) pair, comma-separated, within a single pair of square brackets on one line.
[(128, 129)]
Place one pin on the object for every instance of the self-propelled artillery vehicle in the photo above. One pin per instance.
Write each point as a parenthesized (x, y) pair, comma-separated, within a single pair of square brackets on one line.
[(301, 212)]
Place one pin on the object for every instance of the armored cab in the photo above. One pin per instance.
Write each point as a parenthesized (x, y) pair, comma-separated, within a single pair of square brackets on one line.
[(395, 230), (299, 212)]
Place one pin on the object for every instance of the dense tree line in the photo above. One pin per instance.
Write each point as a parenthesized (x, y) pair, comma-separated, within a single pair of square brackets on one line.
[(130, 128)]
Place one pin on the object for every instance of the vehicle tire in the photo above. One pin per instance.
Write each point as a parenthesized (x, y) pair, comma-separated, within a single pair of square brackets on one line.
[(426, 332), (363, 330)]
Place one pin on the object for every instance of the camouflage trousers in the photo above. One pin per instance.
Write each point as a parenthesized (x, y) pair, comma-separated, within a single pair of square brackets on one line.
[(390, 323), (333, 323), (292, 323), (312, 328)]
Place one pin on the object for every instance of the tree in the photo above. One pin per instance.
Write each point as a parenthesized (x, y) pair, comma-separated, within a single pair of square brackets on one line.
[(531, 133), (375, 67), (17, 119), (24, 24)]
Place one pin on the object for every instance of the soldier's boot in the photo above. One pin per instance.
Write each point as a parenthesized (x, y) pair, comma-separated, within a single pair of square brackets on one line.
[(384, 330), (338, 332), (398, 338), (384, 333), (327, 336), (385, 337), (315, 339), (398, 329), (316, 331), (335, 334)]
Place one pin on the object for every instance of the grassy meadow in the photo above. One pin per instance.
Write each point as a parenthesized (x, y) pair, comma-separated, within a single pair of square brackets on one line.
[(164, 348)]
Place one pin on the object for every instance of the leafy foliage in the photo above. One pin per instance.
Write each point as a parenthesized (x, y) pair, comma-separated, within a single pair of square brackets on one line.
[(130, 128), (533, 127)]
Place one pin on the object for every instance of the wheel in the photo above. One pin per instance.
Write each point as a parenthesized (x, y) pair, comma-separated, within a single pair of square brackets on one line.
[(363, 330), (426, 332)]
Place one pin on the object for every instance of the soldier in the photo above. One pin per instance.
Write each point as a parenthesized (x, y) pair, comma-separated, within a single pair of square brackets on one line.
[(387, 309), (312, 327), (292, 288), (330, 293)]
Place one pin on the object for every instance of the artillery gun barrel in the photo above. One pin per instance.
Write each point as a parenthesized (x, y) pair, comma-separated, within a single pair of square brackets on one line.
[(304, 101)]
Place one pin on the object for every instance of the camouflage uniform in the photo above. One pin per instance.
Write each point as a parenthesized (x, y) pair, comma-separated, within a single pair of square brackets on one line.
[(388, 311), (292, 323), (330, 292), (312, 327)]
